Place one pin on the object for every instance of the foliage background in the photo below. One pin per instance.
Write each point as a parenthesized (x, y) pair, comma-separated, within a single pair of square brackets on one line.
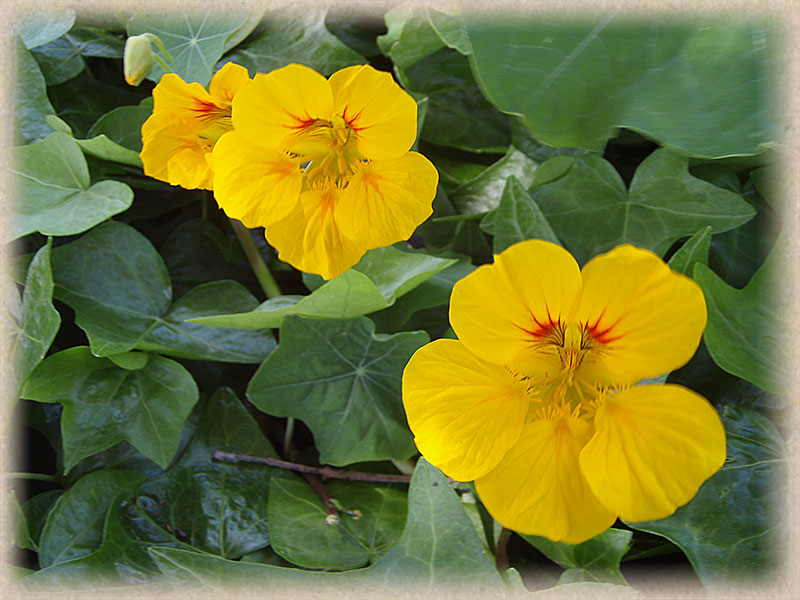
[(494, 172)]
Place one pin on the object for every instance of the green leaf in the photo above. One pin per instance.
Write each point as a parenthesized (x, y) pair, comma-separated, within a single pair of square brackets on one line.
[(483, 193), (177, 334), (519, 218), (596, 559), (195, 39), (52, 183), (36, 510), (575, 83), (42, 26), (729, 529), (438, 549), (380, 277), (590, 210), (433, 293), (31, 104), (104, 404), (74, 526), (117, 284), (344, 383), (123, 125), (20, 535), (745, 334), (300, 534), (220, 507), (62, 59), (35, 324), (450, 28), (132, 361), (409, 36), (288, 35), (120, 559), (694, 250), (458, 114)]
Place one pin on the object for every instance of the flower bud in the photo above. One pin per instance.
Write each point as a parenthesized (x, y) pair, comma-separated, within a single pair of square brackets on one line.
[(137, 59)]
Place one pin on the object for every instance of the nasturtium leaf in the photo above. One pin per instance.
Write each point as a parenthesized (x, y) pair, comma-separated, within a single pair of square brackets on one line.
[(518, 218), (288, 35), (62, 59), (37, 27), (596, 559), (195, 39), (380, 277), (729, 530), (220, 507), (458, 114), (483, 193), (31, 104), (438, 550), (105, 404), (132, 361), (450, 28), (55, 195), (409, 36), (116, 136), (74, 526), (433, 293), (746, 333), (35, 322), (299, 533), (174, 335), (693, 251), (523, 139), (343, 381), (590, 210), (576, 82)]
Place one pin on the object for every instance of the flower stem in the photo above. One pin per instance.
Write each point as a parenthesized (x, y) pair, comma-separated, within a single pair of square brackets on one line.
[(287, 436), (33, 476), (501, 554), (265, 278)]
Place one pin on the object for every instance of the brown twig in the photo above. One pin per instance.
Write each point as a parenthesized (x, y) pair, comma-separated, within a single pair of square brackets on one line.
[(323, 472), (501, 552)]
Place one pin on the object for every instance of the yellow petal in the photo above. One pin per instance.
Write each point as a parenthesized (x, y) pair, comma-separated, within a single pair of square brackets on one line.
[(538, 488), (257, 185), (501, 311), (647, 318), (281, 104), (173, 94), (382, 115), (386, 200), (465, 413), (310, 240), (653, 447), (173, 152), (227, 82)]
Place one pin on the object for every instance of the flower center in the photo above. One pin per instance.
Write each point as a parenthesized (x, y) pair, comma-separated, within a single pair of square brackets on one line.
[(331, 150)]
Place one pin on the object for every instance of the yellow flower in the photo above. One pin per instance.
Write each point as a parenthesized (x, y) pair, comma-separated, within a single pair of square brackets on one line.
[(186, 123), (535, 401), (324, 165)]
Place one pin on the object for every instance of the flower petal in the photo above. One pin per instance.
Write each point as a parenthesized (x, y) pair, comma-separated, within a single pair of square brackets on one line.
[(281, 104), (648, 318), (654, 445), (538, 488), (173, 152), (386, 200), (310, 240), (380, 112), (257, 185), (173, 94), (500, 311), (465, 413), (227, 82)]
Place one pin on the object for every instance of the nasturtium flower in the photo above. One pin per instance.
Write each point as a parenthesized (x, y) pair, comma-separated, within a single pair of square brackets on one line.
[(536, 401), (186, 123), (324, 165)]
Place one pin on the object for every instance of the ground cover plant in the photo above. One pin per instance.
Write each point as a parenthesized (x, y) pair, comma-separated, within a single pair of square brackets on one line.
[(228, 239)]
